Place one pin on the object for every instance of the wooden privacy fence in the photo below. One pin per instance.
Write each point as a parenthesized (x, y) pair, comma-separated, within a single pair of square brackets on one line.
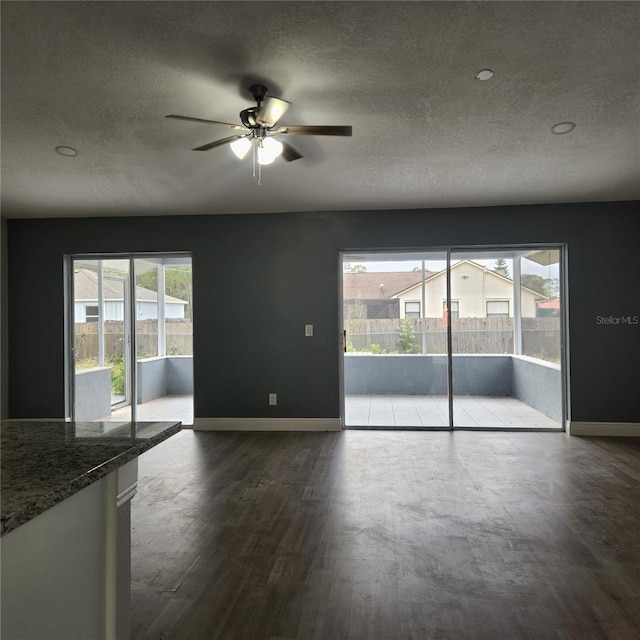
[(178, 339), (540, 336)]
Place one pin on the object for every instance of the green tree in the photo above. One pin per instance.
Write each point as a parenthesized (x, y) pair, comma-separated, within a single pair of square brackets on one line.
[(535, 283), (501, 264), (554, 287), (177, 280), (406, 337), (548, 287)]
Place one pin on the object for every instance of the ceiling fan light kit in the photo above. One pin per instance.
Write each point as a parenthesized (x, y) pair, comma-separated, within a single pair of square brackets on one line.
[(241, 147), (261, 121)]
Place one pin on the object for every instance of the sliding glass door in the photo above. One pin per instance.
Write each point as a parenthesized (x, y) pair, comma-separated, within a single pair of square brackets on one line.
[(130, 338), (506, 339), (101, 339), (395, 361), (457, 338)]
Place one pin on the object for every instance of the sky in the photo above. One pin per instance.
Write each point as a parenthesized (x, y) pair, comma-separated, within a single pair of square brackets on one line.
[(528, 266)]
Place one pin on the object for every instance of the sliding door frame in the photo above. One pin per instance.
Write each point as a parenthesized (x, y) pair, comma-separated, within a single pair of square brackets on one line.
[(561, 247), (129, 322)]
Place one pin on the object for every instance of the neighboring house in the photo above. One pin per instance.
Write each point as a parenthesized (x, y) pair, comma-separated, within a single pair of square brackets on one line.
[(476, 292), (370, 294), (85, 288), (549, 309)]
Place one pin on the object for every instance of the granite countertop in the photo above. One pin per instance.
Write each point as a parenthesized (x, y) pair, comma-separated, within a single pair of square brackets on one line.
[(45, 461)]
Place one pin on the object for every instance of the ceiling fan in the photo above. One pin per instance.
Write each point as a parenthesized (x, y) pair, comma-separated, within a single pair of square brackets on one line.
[(259, 131)]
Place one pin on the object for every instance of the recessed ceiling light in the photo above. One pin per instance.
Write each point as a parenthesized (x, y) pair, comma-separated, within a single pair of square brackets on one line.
[(485, 74), (66, 151), (563, 127)]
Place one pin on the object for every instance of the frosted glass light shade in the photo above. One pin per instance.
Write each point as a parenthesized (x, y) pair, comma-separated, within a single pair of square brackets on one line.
[(269, 150), (241, 147)]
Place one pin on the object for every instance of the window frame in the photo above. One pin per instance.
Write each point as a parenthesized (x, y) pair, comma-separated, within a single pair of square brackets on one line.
[(454, 310), (412, 314), (91, 317), (497, 315)]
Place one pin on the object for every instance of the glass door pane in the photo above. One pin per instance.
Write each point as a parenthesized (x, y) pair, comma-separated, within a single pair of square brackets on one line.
[(502, 343), (538, 360), (164, 339), (395, 364), (102, 386)]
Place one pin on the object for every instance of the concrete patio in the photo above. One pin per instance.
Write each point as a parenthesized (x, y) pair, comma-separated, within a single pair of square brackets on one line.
[(421, 411), (160, 410)]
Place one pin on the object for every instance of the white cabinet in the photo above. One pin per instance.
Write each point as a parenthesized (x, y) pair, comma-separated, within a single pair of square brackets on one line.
[(66, 572)]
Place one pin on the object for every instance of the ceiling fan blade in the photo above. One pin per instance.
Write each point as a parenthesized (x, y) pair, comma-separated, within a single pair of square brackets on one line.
[(271, 111), (226, 124), (302, 130), (218, 143), (289, 153)]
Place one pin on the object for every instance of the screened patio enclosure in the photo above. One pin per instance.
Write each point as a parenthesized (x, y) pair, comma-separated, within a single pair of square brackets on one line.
[(130, 337), (454, 338)]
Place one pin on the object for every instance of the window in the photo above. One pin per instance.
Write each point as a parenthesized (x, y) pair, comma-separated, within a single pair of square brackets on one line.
[(498, 308), (455, 308), (91, 313), (411, 309)]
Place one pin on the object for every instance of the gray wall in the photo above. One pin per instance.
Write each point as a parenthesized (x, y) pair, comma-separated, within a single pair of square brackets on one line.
[(179, 375), (539, 385), (4, 325), (93, 393), (258, 279), (395, 374), (151, 379), (167, 375), (483, 375)]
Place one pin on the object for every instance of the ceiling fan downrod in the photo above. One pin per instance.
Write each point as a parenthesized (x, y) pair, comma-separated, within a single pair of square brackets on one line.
[(258, 93)]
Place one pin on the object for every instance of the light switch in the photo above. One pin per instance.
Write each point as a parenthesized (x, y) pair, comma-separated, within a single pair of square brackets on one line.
[(308, 330)]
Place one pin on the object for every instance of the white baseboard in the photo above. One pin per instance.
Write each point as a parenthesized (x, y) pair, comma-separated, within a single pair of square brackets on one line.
[(604, 429), (267, 424)]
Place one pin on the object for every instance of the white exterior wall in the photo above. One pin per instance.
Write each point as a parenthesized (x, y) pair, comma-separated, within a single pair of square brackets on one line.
[(174, 310), (114, 310), (435, 295), (149, 310), (471, 287), (529, 308)]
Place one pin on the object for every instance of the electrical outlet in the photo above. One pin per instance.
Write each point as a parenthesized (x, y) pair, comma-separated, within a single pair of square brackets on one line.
[(273, 399), (308, 330)]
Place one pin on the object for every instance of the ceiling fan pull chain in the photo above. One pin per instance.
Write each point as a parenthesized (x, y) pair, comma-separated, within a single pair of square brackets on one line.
[(257, 146), (254, 151)]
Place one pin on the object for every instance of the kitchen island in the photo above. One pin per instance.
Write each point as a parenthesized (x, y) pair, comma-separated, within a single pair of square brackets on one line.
[(65, 525)]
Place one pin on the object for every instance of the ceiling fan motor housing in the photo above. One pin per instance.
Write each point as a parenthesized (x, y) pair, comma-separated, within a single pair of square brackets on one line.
[(248, 116), (258, 92)]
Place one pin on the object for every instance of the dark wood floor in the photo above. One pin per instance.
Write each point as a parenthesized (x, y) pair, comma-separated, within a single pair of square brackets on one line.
[(384, 535)]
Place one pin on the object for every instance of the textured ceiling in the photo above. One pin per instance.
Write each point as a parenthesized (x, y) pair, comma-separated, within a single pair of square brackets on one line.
[(101, 76)]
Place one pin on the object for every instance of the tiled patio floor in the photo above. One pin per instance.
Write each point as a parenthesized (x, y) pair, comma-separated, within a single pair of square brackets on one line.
[(432, 411), (161, 410), (378, 411)]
